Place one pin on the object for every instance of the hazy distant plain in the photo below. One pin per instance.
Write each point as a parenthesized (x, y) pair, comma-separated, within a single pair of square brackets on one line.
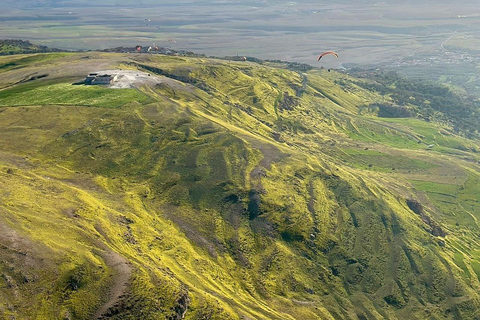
[(286, 30)]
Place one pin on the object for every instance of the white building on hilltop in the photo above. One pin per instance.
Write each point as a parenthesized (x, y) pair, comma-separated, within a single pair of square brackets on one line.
[(95, 78)]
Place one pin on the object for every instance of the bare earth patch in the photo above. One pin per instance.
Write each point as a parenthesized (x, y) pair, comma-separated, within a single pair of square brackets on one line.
[(132, 78)]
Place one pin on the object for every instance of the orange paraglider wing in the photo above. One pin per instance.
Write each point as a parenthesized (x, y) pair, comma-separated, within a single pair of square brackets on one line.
[(325, 53)]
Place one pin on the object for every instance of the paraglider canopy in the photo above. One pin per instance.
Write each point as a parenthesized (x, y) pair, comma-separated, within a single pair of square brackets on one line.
[(326, 53)]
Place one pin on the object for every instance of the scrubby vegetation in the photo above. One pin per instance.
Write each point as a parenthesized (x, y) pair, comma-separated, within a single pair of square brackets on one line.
[(229, 190), (430, 101), (12, 46)]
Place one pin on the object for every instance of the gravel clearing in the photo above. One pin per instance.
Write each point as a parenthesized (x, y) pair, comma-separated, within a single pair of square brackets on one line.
[(132, 78)]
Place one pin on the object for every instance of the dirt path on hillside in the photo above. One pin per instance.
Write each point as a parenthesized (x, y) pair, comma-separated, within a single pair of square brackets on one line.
[(28, 255), (123, 272)]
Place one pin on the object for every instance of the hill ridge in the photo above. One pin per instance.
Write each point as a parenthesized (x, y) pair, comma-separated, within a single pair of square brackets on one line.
[(230, 194)]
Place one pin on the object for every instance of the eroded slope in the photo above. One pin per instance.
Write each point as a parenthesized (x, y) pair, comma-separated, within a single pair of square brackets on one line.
[(231, 191)]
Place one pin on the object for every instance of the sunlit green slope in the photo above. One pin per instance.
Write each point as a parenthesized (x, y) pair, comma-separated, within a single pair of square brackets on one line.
[(227, 190)]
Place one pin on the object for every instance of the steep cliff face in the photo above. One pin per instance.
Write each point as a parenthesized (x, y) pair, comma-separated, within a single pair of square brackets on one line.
[(227, 190)]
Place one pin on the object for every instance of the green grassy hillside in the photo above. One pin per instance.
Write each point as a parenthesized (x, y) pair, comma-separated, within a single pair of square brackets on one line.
[(228, 190), (11, 46)]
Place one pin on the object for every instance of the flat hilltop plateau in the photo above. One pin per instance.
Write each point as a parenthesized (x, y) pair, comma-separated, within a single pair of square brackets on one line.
[(217, 189)]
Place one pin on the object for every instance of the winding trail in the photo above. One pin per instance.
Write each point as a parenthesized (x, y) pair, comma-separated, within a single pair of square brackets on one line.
[(122, 275), (123, 271), (121, 266)]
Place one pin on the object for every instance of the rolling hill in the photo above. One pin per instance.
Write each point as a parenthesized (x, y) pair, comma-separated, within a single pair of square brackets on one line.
[(12, 46), (231, 190)]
